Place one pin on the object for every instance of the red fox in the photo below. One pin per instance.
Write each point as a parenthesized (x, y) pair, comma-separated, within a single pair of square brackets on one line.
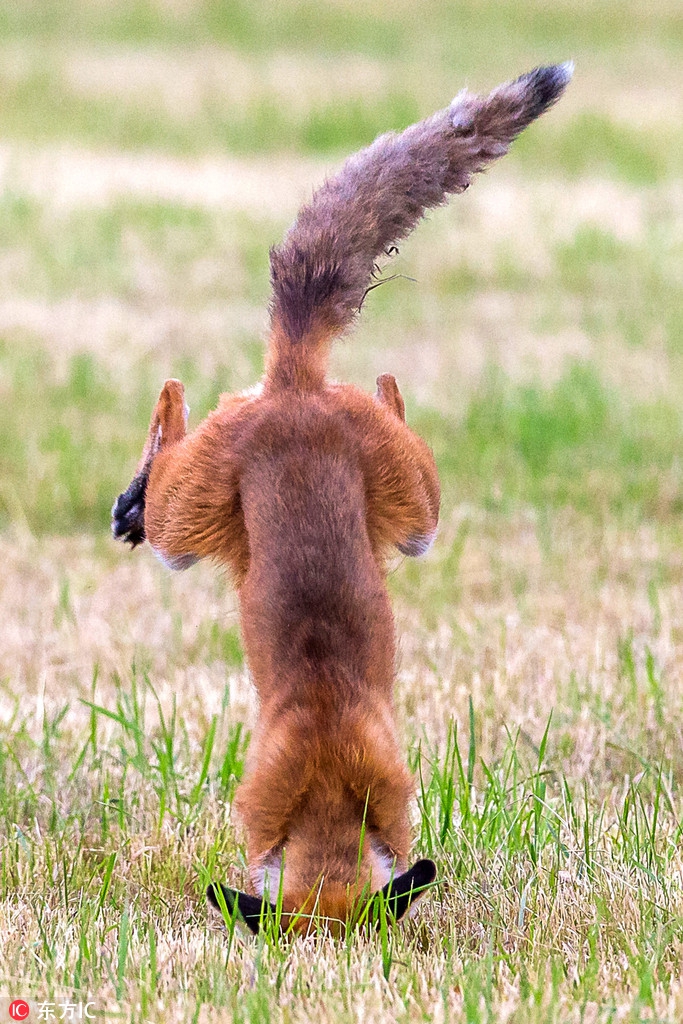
[(300, 487)]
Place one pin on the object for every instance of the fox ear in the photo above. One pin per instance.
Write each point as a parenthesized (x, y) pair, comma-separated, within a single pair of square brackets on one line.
[(405, 889), (252, 910)]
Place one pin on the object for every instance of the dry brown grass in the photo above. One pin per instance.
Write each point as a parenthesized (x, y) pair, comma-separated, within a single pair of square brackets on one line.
[(531, 622), (528, 623)]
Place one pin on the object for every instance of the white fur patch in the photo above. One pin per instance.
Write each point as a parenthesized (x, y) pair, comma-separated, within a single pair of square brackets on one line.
[(175, 562), (417, 545), (383, 868), (255, 391), (267, 875)]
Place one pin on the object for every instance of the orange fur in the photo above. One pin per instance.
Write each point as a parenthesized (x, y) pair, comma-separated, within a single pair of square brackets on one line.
[(300, 494), (300, 488)]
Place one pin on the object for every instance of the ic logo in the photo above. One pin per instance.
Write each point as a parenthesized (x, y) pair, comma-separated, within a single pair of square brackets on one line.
[(19, 1009)]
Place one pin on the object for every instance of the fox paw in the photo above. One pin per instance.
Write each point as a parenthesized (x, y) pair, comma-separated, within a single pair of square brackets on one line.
[(128, 513)]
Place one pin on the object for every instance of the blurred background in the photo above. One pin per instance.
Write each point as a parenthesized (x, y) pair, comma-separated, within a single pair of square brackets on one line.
[(150, 153), (152, 150)]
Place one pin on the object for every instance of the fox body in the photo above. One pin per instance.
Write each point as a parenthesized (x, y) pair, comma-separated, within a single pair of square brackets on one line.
[(301, 487)]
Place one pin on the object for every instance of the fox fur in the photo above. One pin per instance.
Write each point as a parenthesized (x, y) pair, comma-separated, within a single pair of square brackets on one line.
[(301, 487)]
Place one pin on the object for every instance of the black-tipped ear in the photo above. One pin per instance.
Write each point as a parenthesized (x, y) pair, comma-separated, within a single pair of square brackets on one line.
[(251, 909), (402, 891)]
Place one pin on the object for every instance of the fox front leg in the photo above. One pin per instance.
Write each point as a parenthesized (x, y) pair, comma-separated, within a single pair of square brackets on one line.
[(167, 426)]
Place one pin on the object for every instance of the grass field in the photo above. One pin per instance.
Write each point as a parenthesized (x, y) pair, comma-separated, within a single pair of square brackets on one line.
[(150, 152)]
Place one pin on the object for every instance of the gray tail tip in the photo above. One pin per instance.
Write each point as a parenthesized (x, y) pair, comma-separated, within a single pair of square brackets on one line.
[(544, 85), (563, 73)]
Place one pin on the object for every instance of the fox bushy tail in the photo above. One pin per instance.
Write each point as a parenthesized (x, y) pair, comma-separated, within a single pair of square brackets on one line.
[(323, 268)]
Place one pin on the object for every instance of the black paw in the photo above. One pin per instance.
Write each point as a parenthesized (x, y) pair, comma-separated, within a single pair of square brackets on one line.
[(128, 513)]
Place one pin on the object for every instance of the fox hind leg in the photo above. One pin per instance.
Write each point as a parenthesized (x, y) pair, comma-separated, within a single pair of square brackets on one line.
[(401, 478), (388, 394)]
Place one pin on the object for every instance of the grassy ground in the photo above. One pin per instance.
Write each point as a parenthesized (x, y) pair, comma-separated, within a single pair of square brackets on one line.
[(149, 154)]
